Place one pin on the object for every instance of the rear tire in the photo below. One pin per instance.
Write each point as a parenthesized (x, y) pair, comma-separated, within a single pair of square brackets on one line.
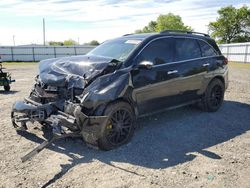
[(7, 88), (214, 96), (119, 128)]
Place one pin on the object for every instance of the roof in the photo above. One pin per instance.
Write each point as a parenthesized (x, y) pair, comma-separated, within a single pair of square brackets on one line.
[(139, 36), (167, 33)]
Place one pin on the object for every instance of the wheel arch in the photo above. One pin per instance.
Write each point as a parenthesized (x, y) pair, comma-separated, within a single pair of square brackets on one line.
[(205, 103), (126, 97), (126, 100), (208, 82), (221, 78)]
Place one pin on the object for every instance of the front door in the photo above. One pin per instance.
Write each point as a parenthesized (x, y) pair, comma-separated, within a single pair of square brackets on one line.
[(153, 87)]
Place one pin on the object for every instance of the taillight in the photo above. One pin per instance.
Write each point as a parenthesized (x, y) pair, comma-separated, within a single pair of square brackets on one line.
[(225, 61)]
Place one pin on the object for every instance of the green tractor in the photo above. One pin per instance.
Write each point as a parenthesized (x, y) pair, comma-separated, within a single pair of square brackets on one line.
[(5, 78)]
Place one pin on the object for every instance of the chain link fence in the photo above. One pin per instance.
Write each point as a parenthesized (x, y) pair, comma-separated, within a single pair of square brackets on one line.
[(38, 53), (237, 52)]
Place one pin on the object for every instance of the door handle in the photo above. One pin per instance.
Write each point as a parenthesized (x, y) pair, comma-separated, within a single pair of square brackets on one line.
[(205, 64), (172, 72)]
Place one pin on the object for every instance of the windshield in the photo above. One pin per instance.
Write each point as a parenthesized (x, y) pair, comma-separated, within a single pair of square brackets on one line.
[(117, 49)]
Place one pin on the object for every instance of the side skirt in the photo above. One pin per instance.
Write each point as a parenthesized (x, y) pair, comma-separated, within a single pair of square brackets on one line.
[(169, 108)]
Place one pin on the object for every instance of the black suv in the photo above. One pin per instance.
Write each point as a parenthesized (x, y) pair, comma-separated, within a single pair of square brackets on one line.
[(99, 95)]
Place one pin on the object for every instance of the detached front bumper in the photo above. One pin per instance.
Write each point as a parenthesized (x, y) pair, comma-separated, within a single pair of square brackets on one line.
[(63, 124)]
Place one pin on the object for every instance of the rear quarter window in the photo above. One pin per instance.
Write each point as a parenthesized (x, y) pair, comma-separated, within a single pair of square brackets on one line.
[(186, 48), (206, 49)]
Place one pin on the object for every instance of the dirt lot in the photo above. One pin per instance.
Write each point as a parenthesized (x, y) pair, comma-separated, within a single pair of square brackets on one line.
[(179, 148)]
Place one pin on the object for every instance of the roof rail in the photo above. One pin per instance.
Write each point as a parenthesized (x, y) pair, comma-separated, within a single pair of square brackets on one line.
[(182, 31), (127, 34)]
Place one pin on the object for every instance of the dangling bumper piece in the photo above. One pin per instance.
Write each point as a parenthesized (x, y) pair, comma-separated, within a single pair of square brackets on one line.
[(73, 124)]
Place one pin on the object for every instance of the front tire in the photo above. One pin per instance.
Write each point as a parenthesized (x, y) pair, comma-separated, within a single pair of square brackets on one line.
[(214, 96), (119, 128)]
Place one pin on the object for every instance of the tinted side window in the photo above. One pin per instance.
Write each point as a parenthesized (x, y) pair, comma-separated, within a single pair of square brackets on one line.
[(158, 52), (206, 49), (186, 48)]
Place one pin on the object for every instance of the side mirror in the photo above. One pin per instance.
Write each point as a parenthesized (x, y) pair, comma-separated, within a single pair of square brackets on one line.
[(145, 65)]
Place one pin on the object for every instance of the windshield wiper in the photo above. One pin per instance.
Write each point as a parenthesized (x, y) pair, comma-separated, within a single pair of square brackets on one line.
[(115, 62)]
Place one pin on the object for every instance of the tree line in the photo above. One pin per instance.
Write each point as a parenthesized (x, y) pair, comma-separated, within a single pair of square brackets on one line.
[(231, 25), (71, 42)]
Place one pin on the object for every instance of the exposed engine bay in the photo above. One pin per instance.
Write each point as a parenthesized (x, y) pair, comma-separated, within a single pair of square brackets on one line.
[(69, 95)]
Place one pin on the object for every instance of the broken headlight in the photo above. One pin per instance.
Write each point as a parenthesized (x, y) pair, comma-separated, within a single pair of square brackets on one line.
[(52, 89)]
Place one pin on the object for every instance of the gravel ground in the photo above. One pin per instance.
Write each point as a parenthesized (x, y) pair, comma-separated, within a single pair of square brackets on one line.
[(180, 148)]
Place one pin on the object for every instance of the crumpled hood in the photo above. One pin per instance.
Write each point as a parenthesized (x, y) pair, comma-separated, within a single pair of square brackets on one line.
[(71, 71)]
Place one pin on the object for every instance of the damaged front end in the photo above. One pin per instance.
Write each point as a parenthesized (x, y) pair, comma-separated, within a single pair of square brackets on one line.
[(67, 95)]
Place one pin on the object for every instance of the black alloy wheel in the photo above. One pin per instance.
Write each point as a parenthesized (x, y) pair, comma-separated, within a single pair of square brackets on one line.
[(119, 128), (214, 96)]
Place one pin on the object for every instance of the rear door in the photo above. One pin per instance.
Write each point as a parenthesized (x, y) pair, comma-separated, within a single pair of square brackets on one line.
[(212, 60), (192, 68)]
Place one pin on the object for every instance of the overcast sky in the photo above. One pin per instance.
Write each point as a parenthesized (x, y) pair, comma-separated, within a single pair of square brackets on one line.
[(97, 19)]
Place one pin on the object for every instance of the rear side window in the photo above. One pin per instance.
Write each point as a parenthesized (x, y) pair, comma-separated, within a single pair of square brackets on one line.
[(186, 49), (206, 49), (158, 52)]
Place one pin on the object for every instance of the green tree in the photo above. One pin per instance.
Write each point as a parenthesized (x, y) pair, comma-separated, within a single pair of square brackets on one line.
[(232, 25), (69, 42), (93, 43), (150, 28), (163, 22), (172, 22), (55, 43)]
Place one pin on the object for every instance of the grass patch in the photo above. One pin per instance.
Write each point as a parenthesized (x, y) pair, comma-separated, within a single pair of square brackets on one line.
[(19, 63), (239, 65)]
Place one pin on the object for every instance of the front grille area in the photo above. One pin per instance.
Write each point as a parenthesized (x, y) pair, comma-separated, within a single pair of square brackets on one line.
[(39, 94)]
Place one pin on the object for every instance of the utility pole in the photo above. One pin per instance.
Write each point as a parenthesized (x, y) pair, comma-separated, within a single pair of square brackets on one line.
[(14, 43), (43, 32), (208, 31)]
